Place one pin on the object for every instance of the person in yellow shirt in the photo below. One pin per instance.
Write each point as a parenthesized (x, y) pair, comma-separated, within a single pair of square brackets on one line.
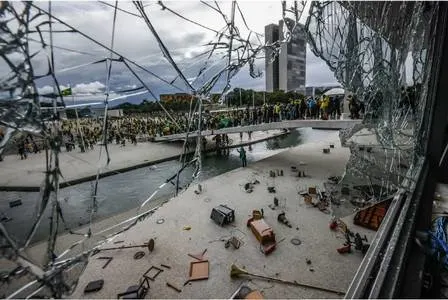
[(324, 107)]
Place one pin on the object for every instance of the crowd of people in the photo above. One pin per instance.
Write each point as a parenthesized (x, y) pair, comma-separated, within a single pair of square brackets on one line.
[(85, 133)]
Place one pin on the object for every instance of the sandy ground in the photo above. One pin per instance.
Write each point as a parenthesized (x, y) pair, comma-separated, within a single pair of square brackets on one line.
[(77, 167), (328, 268)]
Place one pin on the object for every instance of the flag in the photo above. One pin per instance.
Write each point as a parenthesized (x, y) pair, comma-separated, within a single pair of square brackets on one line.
[(66, 92)]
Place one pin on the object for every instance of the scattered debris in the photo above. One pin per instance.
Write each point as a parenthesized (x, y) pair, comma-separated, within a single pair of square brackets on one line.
[(333, 225), (199, 190), (156, 273), (187, 228), (236, 272), (248, 187), (173, 287), (199, 270), (326, 150), (334, 179), (275, 201), (222, 215), (108, 258), (308, 199), (372, 217), (136, 291), (308, 261), (332, 146), (264, 234), (118, 242), (311, 269), (234, 241), (244, 292), (296, 241), (358, 243), (149, 246), (139, 255), (271, 189), (282, 219), (198, 256), (160, 221), (165, 266), (271, 173), (15, 203), (312, 190), (94, 286)]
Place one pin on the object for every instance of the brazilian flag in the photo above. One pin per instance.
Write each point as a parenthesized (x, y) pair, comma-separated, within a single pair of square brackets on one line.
[(66, 92)]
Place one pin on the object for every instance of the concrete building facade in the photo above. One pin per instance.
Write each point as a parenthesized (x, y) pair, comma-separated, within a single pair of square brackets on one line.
[(288, 71)]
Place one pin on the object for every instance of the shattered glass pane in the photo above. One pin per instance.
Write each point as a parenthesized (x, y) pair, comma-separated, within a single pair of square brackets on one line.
[(32, 33), (381, 63), (381, 60)]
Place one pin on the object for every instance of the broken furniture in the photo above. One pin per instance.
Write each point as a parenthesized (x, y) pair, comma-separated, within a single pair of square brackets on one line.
[(222, 215), (136, 291), (198, 270), (94, 286), (168, 284), (234, 241), (155, 271), (264, 234)]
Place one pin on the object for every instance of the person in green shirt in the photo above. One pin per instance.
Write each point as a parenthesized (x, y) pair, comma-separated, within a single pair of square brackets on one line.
[(242, 153)]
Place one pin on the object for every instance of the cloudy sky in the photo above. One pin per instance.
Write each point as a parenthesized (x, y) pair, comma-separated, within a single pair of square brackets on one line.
[(134, 41)]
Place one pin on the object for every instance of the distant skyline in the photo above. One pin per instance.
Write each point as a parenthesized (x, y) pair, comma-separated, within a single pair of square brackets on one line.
[(133, 38)]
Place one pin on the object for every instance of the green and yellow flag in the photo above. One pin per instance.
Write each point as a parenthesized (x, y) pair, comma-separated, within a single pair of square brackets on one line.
[(66, 92)]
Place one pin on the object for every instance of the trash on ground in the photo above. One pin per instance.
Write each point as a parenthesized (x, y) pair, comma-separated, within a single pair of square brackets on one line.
[(271, 189), (149, 245), (308, 261), (264, 234), (152, 273), (15, 203), (94, 286), (160, 221), (139, 255), (136, 291), (326, 150), (372, 217), (199, 270), (245, 292), (234, 241), (198, 256), (168, 284), (282, 219), (222, 215), (296, 241), (186, 228), (271, 173), (236, 272), (165, 266), (108, 258)]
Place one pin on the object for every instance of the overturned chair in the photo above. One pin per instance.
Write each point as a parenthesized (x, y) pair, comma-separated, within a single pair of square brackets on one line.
[(136, 291)]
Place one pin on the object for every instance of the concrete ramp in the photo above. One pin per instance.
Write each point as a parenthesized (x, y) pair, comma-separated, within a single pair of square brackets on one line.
[(318, 124)]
